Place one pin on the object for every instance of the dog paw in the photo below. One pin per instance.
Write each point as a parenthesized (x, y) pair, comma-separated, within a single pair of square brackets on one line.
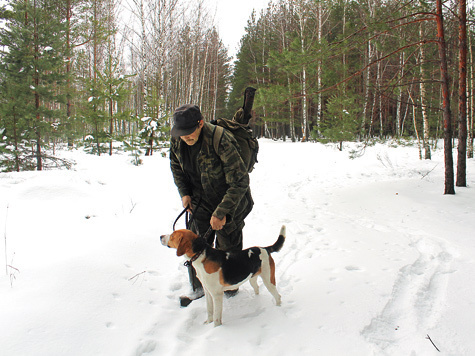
[(208, 321), (217, 323)]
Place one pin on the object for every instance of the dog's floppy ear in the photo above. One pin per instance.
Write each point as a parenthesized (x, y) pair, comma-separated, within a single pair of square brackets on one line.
[(183, 245)]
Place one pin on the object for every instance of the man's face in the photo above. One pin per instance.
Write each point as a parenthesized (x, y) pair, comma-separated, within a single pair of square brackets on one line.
[(193, 137)]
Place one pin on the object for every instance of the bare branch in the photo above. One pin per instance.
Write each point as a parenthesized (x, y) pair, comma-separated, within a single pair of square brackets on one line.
[(369, 65), (138, 274), (425, 175), (428, 338)]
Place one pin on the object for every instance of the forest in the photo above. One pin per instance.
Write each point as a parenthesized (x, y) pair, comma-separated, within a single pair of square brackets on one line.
[(107, 76)]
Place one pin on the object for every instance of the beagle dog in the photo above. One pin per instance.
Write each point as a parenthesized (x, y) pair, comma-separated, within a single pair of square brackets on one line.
[(219, 271)]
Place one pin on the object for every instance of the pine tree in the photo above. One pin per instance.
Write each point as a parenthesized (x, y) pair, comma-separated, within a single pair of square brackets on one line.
[(32, 78), (341, 119), (94, 110)]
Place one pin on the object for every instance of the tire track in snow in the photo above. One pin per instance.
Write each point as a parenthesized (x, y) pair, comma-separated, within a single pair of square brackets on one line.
[(416, 301)]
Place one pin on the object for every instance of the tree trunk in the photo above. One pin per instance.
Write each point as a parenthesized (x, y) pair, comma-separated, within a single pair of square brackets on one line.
[(111, 122), (462, 137), (304, 106), (303, 75), (472, 109), (36, 79), (319, 68), (414, 114), (399, 98), (15, 138), (111, 102), (449, 163), (425, 118), (367, 78), (95, 62), (68, 71), (291, 112), (380, 99)]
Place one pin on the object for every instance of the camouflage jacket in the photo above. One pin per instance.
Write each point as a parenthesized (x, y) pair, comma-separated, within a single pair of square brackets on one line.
[(224, 177)]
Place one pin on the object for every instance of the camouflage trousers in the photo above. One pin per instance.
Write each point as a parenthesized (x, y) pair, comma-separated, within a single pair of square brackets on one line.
[(227, 239)]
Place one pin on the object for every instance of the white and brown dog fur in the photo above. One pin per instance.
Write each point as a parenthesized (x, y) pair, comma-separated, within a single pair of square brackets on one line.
[(219, 271)]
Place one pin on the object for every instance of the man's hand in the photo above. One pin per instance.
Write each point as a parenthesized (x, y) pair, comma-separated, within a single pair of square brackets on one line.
[(217, 224), (186, 201)]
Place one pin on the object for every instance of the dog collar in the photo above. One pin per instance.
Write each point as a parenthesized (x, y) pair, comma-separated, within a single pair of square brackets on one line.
[(189, 262)]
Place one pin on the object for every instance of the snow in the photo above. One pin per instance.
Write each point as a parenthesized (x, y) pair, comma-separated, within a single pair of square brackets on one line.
[(376, 259)]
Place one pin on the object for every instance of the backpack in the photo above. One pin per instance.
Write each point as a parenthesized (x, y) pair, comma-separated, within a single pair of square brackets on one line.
[(243, 135)]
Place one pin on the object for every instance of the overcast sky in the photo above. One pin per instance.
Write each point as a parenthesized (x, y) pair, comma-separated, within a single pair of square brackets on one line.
[(231, 19)]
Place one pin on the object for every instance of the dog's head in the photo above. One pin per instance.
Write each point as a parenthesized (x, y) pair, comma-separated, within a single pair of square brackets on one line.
[(182, 240)]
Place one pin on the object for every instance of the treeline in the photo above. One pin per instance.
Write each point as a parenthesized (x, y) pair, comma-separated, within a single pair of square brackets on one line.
[(88, 72), (344, 70)]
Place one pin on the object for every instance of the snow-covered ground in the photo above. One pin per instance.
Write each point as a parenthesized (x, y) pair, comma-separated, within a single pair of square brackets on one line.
[(376, 259)]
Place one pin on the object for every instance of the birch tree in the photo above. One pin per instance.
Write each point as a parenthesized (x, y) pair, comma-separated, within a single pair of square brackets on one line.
[(299, 11), (423, 99), (367, 79)]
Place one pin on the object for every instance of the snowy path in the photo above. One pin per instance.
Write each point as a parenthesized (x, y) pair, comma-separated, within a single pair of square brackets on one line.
[(376, 258)]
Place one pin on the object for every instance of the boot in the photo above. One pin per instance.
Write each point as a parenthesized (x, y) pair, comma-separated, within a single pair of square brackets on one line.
[(196, 286)]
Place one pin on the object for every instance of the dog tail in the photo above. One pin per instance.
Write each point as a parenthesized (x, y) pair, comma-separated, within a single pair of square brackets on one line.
[(279, 243)]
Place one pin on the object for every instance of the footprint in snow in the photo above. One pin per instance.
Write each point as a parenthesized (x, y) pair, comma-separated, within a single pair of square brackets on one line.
[(416, 300), (353, 268), (146, 347)]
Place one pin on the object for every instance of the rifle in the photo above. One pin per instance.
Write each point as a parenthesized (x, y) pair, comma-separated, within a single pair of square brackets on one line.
[(243, 115)]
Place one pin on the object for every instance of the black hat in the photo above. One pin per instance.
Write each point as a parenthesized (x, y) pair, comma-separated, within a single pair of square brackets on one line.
[(185, 120)]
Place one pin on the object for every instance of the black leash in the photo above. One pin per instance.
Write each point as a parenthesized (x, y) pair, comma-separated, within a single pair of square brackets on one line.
[(188, 216), (189, 220), (179, 216), (208, 233), (189, 262)]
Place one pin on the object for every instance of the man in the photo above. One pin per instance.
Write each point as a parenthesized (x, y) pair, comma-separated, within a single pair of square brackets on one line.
[(213, 185)]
